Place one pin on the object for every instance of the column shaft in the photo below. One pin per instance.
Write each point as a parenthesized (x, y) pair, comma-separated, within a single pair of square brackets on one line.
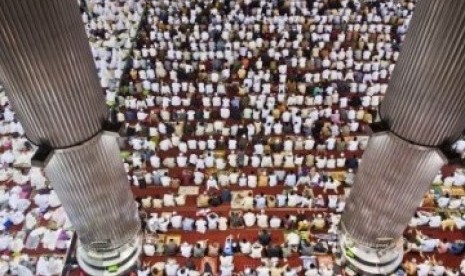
[(424, 105), (424, 108), (50, 77), (392, 179), (48, 72), (425, 101), (91, 180)]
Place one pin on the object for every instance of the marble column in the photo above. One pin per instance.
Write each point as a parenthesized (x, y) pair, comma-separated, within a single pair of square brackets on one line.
[(424, 109), (48, 72)]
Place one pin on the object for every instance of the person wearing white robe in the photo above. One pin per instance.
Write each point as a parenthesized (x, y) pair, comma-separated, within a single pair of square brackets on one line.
[(262, 219), (209, 160), (186, 250), (181, 160), (155, 161), (212, 183), (37, 178), (201, 225)]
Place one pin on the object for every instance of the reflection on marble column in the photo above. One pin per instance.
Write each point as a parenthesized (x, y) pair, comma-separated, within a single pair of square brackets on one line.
[(50, 77)]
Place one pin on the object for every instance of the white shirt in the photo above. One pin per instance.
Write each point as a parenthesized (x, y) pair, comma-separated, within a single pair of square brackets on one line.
[(222, 223), (293, 238), (246, 247), (201, 225), (181, 160), (212, 222), (186, 250), (352, 146), (459, 179), (263, 271), (256, 251), (155, 161), (249, 219), (423, 269), (262, 220), (171, 269), (275, 222), (291, 272), (176, 221)]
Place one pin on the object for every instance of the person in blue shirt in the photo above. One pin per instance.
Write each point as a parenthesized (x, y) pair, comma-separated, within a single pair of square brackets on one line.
[(457, 247), (228, 246)]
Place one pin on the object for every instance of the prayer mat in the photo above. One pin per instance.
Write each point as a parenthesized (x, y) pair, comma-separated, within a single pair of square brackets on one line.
[(188, 190), (339, 175), (175, 237), (454, 191), (236, 202)]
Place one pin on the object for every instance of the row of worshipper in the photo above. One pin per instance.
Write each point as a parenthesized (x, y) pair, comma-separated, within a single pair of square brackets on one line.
[(204, 122), (449, 201), (431, 266), (261, 178), (239, 159), (245, 201), (251, 105), (208, 220), (457, 178), (220, 138), (25, 265), (416, 241), (267, 267), (295, 244), (445, 220)]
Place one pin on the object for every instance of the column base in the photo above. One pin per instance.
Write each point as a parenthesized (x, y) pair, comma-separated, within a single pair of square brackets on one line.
[(110, 263), (372, 261)]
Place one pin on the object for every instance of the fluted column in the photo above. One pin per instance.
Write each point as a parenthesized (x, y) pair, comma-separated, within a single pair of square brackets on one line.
[(97, 190), (425, 100), (393, 177), (424, 108), (48, 71), (51, 81)]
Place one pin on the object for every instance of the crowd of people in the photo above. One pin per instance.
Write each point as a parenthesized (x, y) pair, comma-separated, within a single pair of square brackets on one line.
[(262, 106), (111, 27), (34, 229), (257, 107)]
